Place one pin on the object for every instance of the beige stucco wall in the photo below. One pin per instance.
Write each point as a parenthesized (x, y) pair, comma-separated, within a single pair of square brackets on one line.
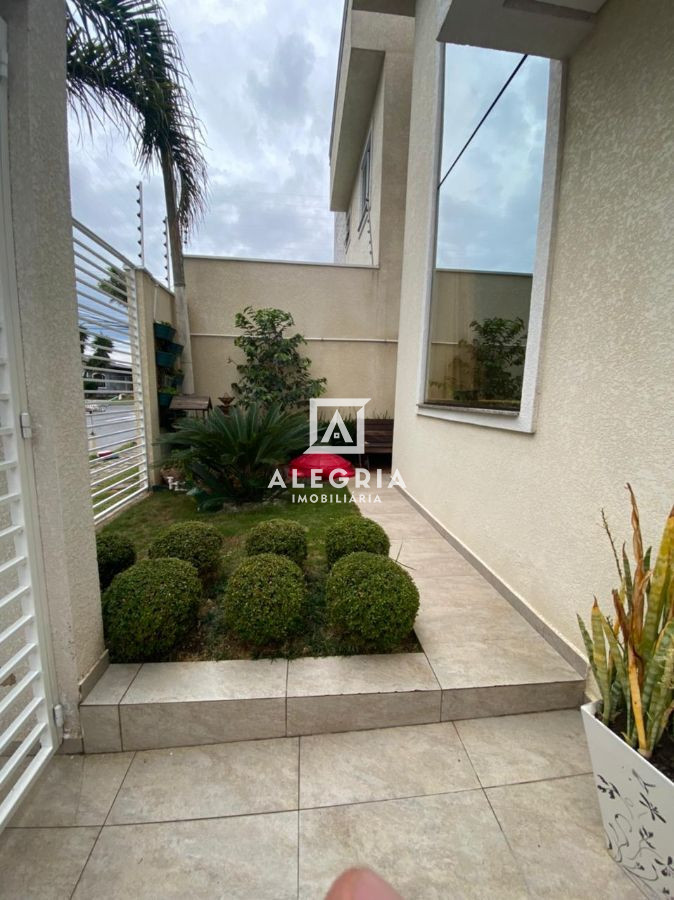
[(41, 221), (528, 505), (339, 309)]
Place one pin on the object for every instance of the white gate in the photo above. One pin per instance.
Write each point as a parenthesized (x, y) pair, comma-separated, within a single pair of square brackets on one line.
[(111, 373), (27, 732)]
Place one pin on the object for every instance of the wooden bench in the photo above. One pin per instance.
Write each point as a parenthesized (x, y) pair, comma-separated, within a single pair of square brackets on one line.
[(378, 436)]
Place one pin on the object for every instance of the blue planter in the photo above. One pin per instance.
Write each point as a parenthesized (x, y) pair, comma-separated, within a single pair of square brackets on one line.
[(165, 359), (178, 380), (177, 349), (165, 398), (163, 331)]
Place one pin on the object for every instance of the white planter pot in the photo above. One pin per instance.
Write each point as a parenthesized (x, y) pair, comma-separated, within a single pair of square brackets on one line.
[(637, 808)]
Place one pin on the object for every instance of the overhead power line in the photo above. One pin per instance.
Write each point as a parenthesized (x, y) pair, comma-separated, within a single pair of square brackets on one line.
[(484, 117)]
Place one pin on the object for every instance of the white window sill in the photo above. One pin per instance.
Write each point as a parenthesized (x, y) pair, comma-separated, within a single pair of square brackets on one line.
[(505, 419)]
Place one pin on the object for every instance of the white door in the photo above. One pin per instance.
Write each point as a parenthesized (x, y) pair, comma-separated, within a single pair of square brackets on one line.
[(28, 736)]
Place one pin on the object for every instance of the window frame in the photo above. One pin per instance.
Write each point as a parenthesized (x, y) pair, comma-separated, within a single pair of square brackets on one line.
[(365, 181), (523, 420), (347, 228)]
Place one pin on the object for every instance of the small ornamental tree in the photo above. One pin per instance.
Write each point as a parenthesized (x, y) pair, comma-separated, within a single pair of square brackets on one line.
[(274, 370), (500, 347)]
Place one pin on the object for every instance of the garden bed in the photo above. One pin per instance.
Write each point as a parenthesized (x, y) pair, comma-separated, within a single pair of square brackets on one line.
[(212, 640)]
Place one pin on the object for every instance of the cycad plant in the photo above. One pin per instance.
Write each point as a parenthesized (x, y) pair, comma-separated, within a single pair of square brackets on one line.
[(632, 658), (232, 458), (124, 64)]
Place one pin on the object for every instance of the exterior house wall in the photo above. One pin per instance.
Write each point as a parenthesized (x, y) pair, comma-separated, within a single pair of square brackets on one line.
[(45, 286), (363, 246), (341, 310), (528, 505)]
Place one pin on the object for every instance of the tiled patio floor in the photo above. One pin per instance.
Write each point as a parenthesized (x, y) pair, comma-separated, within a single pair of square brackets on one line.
[(492, 807)]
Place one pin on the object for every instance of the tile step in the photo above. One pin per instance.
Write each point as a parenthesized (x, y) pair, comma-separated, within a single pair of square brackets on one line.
[(159, 705)]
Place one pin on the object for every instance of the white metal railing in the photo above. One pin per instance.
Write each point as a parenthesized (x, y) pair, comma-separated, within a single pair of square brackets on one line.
[(111, 373)]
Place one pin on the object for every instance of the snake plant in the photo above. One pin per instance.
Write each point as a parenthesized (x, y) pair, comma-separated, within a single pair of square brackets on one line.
[(632, 658)]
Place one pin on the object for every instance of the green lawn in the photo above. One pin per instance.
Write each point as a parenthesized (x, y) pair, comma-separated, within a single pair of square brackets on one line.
[(142, 522)]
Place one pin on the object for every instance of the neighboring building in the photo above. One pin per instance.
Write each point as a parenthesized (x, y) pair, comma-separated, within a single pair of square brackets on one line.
[(518, 481), (117, 378)]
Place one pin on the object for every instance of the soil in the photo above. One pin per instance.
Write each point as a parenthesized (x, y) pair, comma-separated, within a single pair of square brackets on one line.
[(663, 756)]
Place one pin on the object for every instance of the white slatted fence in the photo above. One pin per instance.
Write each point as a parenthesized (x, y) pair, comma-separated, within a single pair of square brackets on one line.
[(111, 373), (27, 729)]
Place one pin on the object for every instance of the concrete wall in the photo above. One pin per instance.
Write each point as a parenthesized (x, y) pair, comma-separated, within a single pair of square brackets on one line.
[(341, 310), (529, 505), (40, 210)]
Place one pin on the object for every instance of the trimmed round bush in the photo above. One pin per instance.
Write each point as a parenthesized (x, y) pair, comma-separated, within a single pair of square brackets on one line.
[(193, 542), (355, 534), (149, 609), (264, 600), (372, 601), (281, 536), (114, 553)]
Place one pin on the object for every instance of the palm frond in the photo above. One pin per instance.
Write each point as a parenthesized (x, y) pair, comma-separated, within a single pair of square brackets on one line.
[(124, 64)]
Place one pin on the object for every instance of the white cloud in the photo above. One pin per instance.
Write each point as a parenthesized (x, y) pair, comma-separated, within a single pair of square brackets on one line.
[(262, 81)]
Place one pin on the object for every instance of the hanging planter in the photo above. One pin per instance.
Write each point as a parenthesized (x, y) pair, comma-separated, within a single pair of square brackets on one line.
[(178, 379), (165, 396), (164, 331), (165, 359), (176, 349)]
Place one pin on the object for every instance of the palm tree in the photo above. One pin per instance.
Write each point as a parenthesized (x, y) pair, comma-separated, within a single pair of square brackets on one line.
[(124, 64)]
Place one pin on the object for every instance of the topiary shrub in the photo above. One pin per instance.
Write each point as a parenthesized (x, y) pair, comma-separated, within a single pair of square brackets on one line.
[(114, 553), (371, 600), (193, 542), (354, 534), (264, 599), (149, 609), (281, 536)]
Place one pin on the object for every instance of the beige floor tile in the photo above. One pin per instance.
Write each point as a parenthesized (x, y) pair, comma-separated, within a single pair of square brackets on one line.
[(377, 673), (429, 848), (74, 790), (383, 764), (101, 731), (511, 699), (511, 660), (197, 681), (461, 592), (42, 863), (350, 712), (555, 831), (207, 782), (112, 685), (150, 726), (242, 858), (443, 626), (403, 526), (529, 747), (430, 558)]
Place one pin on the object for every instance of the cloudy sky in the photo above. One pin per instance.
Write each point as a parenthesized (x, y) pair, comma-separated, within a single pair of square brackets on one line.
[(263, 76), (263, 80)]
